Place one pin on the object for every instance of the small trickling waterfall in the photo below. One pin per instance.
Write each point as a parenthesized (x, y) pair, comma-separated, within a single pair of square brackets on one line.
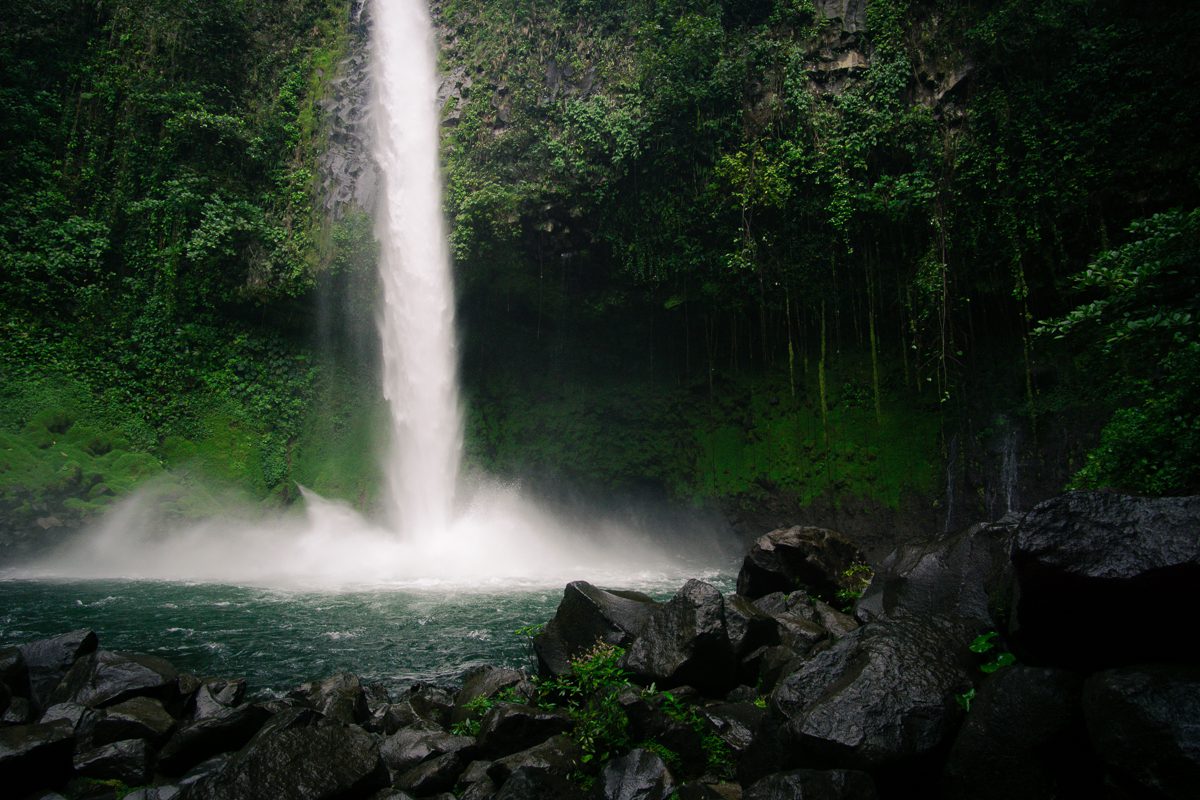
[(951, 479), (416, 323), (1009, 467)]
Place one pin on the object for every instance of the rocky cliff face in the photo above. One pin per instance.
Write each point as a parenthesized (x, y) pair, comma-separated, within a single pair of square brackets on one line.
[(348, 176)]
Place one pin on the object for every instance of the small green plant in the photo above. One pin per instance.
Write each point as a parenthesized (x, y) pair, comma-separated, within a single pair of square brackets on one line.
[(760, 701), (590, 692), (476, 708), (984, 645), (855, 580), (529, 633), (717, 758)]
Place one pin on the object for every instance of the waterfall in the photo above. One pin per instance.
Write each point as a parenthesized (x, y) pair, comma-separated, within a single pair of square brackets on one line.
[(416, 323), (1009, 466)]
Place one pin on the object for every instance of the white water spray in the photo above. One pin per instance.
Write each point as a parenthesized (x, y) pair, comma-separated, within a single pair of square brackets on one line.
[(416, 324)]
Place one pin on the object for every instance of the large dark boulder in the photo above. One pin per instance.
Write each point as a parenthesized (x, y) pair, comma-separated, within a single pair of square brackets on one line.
[(340, 698), (968, 575), (508, 728), (1023, 737), (214, 696), (1091, 564), (205, 738), (558, 755), (748, 626), (136, 718), (48, 660), (437, 774), (814, 559), (420, 703), (35, 756), (684, 642), (485, 682), (1145, 723), (409, 747), (14, 673), (310, 763), (585, 616), (881, 695), (105, 678), (128, 761), (811, 784), (531, 783), (638, 775)]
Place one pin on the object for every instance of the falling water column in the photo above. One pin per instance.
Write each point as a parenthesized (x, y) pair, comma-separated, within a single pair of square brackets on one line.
[(416, 323)]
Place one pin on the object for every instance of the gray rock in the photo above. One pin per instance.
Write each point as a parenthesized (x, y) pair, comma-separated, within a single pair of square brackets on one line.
[(683, 641), (585, 616), (735, 723), (484, 681), (13, 671), (315, 763), (767, 666), (136, 718), (811, 784), (813, 559), (409, 747), (968, 575), (508, 728), (850, 14), (529, 783), (1145, 723), (204, 738), (1022, 738), (639, 775), (832, 620), (482, 789), (747, 626), (48, 660), (437, 774), (71, 712), (127, 761), (880, 695), (214, 696), (340, 698), (165, 792), (1089, 563), (104, 678), (35, 756), (19, 712), (557, 755), (799, 633)]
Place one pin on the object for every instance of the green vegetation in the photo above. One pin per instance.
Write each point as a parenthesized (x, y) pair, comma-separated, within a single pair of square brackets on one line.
[(986, 645)]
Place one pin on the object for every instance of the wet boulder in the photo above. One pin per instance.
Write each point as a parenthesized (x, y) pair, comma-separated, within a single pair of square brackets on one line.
[(105, 678), (684, 641), (811, 784), (880, 695), (530, 783), (638, 775), (1023, 737), (814, 559), (204, 738), (214, 696), (587, 615), (128, 761), (136, 718), (14, 673), (411, 746), (968, 575), (486, 682), (437, 774), (508, 728), (339, 698), (557, 755), (747, 626), (35, 756), (1144, 721), (735, 723), (310, 763), (47, 661), (1089, 563), (19, 712)]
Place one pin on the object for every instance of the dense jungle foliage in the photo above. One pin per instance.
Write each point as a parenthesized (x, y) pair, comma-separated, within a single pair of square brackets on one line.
[(740, 249)]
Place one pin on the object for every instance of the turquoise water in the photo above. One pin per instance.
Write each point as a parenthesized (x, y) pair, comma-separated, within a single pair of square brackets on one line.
[(278, 639)]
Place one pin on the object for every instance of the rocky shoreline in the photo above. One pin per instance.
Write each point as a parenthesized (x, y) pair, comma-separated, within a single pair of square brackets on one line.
[(1042, 656)]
